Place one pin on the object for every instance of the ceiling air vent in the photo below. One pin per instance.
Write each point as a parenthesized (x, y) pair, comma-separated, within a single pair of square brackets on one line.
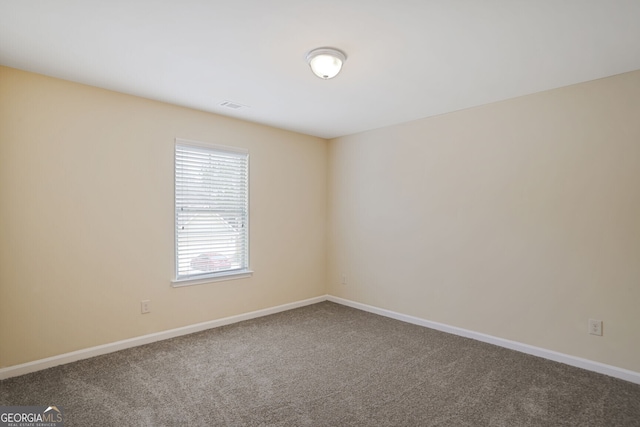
[(232, 105)]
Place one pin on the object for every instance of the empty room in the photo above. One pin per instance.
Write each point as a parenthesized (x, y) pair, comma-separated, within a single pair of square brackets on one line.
[(338, 213)]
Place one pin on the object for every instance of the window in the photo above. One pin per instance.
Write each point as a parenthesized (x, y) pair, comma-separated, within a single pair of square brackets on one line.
[(212, 215)]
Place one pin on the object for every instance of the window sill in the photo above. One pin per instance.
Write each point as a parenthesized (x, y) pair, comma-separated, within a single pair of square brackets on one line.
[(219, 277)]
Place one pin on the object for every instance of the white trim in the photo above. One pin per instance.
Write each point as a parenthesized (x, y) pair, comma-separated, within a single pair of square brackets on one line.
[(590, 365), (211, 145), (49, 362), (578, 362), (219, 277)]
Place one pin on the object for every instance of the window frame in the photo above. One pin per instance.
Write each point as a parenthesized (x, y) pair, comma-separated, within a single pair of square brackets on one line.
[(224, 275)]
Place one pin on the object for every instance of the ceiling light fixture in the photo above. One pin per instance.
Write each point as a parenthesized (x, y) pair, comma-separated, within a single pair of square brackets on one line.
[(326, 62)]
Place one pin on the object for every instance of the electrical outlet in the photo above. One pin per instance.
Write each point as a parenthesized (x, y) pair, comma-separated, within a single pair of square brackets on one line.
[(145, 306), (343, 279), (595, 327)]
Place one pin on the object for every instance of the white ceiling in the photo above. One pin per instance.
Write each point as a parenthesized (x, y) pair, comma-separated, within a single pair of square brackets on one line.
[(407, 59)]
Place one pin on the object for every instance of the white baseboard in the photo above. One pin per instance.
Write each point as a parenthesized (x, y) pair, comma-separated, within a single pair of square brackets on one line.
[(37, 365), (589, 365)]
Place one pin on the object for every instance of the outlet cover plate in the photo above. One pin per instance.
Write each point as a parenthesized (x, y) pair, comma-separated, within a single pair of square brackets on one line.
[(595, 327), (145, 306)]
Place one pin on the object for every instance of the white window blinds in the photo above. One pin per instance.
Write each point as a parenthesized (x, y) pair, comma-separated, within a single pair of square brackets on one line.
[(212, 218)]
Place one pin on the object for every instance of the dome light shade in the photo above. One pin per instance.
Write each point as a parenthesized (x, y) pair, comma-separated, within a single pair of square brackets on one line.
[(326, 62)]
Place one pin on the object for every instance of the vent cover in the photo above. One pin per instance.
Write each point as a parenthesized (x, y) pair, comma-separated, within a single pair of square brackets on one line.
[(232, 105)]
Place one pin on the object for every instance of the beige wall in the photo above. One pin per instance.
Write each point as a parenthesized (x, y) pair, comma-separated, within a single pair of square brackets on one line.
[(86, 217), (519, 219)]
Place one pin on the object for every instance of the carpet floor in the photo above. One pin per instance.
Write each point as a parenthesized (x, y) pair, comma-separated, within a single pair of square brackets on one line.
[(325, 365)]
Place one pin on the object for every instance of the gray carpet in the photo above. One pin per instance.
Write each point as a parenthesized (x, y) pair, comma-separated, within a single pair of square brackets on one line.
[(325, 365)]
